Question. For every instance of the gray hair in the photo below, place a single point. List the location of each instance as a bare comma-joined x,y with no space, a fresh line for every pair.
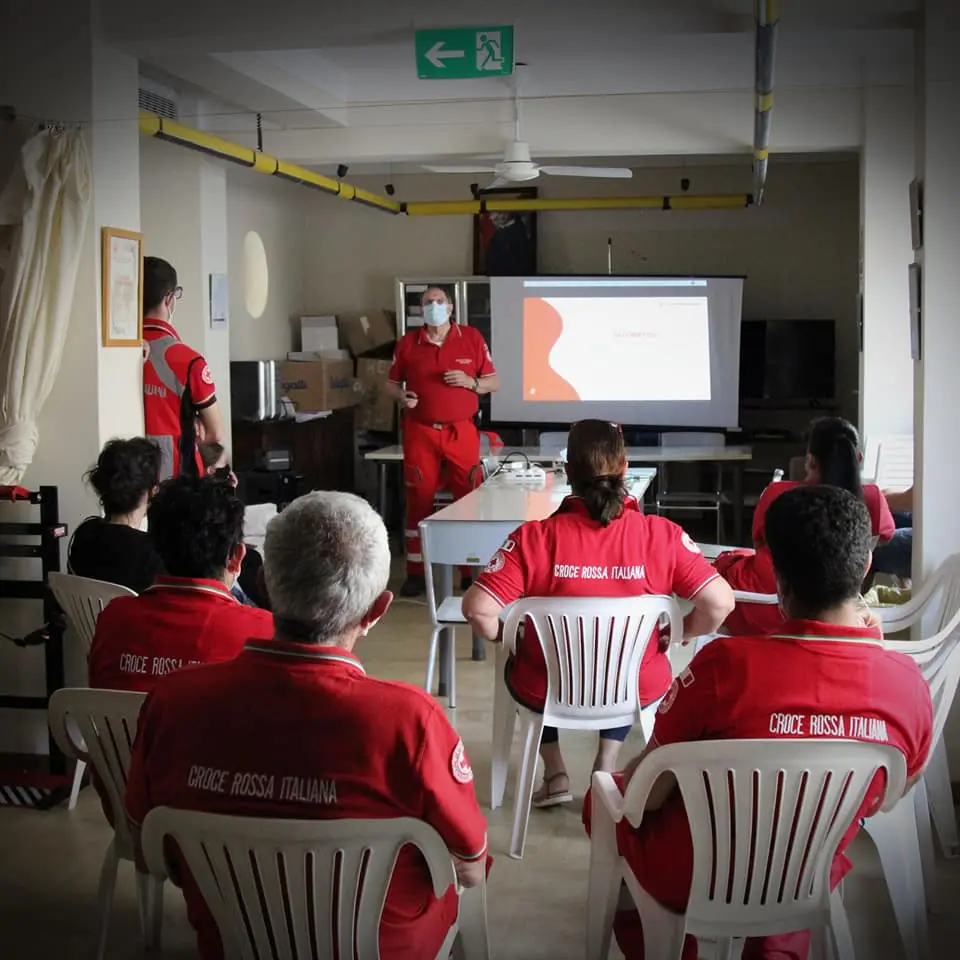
326,560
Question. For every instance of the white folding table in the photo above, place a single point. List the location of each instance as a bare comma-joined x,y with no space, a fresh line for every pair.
475,526
736,456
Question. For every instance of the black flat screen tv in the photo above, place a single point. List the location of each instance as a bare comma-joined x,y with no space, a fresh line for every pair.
787,360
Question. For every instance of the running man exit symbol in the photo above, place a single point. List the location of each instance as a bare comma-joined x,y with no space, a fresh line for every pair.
464,53
488,51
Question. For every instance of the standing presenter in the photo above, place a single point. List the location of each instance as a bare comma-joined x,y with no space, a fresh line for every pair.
439,372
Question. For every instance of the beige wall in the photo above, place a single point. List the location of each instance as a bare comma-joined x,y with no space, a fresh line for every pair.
798,250
279,212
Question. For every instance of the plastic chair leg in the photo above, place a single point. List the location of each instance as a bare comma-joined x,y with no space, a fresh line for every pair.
531,729
504,721
894,834
473,937
432,661
603,889
928,859
663,930
150,905
77,784
840,938
940,797
108,883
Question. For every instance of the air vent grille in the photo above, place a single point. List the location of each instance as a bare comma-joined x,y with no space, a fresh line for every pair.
159,104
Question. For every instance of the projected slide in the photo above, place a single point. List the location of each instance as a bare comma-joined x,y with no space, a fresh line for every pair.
616,349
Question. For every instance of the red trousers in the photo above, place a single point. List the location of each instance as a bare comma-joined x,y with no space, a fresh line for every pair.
429,450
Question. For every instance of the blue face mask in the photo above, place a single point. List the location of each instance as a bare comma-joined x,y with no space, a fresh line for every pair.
435,314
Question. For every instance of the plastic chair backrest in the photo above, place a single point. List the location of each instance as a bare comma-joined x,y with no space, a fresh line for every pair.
83,600
894,469
106,721
766,817
938,658
692,439
593,649
934,605
294,888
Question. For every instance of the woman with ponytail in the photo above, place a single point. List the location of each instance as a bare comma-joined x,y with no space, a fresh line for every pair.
114,547
597,544
833,460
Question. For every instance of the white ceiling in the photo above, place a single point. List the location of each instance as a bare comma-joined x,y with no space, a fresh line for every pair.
337,83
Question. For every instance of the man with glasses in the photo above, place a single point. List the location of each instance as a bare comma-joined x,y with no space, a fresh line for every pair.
179,397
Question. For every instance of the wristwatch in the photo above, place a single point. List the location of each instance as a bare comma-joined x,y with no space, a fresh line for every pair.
476,384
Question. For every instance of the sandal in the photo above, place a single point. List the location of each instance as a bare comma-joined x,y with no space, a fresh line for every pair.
545,797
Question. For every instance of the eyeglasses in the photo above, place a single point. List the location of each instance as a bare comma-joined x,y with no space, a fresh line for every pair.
177,293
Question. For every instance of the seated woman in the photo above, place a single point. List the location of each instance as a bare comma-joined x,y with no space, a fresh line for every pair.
114,547
599,525
833,459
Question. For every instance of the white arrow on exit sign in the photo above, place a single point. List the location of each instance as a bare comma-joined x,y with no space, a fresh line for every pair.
436,54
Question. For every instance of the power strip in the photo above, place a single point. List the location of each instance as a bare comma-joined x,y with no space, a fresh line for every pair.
525,474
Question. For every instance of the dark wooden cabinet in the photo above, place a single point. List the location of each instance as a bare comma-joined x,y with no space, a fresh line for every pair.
321,450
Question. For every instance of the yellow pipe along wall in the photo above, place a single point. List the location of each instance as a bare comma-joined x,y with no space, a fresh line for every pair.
173,132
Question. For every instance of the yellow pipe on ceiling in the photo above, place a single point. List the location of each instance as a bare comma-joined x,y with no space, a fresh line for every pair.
493,205
173,132
170,130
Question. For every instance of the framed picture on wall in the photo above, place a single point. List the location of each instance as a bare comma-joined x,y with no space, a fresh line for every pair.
505,243
121,303
916,313
916,213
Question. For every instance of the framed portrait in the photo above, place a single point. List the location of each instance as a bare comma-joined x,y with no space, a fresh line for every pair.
505,244
122,291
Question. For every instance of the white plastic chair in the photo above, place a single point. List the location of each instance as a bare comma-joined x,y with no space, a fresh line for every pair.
931,610
445,613
752,875
82,599
295,889
741,596
888,461
593,648
107,722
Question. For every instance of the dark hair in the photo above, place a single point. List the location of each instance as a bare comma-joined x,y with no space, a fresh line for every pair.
835,444
124,472
159,281
195,523
595,457
819,540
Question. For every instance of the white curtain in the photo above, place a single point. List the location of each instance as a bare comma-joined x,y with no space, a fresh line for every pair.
44,207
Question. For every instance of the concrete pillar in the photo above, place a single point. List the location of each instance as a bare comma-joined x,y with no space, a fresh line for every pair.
937,387
886,169
67,74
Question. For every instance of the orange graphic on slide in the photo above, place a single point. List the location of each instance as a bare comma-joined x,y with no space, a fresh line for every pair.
542,328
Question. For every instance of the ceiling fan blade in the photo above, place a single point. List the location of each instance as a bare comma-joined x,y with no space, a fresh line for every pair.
608,173
455,169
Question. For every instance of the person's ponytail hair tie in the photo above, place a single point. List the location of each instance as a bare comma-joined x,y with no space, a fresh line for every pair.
603,497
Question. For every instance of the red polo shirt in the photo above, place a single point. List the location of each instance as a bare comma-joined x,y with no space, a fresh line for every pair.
173,624
324,742
809,679
176,384
571,555
421,364
753,572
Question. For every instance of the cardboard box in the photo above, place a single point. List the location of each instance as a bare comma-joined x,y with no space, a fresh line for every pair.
315,385
363,332
318,334
377,410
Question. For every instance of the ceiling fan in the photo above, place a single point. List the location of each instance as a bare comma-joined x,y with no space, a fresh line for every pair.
517,166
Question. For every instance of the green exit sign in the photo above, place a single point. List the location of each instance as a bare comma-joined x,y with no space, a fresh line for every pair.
464,53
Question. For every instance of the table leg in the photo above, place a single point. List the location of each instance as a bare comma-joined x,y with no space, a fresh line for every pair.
479,648
382,488
447,637
738,503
